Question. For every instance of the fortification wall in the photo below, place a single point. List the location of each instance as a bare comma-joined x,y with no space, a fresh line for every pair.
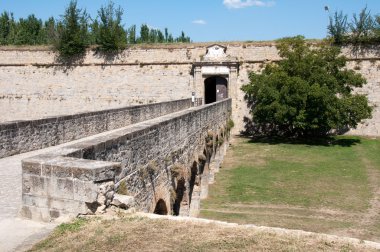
167,159
34,84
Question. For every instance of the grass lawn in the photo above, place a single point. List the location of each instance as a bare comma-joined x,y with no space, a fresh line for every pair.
330,186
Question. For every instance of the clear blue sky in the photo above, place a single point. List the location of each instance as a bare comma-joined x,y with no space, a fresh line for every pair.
212,20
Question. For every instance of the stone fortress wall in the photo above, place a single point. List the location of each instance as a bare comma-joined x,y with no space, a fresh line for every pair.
34,85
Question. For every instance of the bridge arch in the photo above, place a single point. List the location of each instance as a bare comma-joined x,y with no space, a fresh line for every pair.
180,196
161,208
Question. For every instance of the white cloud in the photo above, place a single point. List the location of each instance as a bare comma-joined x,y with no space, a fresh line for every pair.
237,4
199,22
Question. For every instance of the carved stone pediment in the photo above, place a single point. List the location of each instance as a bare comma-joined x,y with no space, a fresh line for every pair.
216,52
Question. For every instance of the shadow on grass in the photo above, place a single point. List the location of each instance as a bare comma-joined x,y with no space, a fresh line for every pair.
317,141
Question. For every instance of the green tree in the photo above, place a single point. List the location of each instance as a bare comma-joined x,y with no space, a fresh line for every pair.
160,37
152,36
111,35
182,38
6,23
362,27
376,29
166,35
170,39
144,33
49,31
132,35
94,34
29,31
73,35
338,27
308,92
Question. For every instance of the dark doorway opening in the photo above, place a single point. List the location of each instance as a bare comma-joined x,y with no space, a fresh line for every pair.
215,89
161,208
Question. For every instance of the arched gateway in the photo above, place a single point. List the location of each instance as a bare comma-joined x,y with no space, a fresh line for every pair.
215,75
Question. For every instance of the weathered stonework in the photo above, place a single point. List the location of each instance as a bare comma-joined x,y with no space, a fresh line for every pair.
166,164
23,136
34,85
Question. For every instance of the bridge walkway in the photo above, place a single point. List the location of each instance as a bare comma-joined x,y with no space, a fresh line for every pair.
17,234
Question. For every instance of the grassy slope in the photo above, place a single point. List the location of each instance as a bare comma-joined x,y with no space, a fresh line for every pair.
141,234
324,187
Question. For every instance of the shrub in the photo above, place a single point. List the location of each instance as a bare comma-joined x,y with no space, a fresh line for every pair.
220,141
363,28
152,167
230,124
177,170
122,189
338,27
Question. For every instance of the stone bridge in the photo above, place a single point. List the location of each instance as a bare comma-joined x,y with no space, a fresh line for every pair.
160,159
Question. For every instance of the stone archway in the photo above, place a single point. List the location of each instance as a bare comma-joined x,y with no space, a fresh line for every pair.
161,208
216,89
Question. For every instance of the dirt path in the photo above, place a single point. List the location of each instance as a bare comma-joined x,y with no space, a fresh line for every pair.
373,213
247,208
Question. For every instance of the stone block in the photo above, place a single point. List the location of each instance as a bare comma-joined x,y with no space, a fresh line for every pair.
83,174
35,185
85,191
107,173
36,201
46,170
62,188
123,201
90,170
36,213
31,167
61,171
68,206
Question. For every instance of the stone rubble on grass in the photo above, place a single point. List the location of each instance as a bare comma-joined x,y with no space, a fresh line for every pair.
105,194
123,201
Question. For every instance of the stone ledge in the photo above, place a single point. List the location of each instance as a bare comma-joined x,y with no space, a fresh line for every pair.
69,167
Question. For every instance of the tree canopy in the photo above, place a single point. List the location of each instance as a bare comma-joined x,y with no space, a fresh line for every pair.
307,93
76,30
73,35
110,35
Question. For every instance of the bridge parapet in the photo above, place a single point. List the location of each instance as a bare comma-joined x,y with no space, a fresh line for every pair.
23,136
169,159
